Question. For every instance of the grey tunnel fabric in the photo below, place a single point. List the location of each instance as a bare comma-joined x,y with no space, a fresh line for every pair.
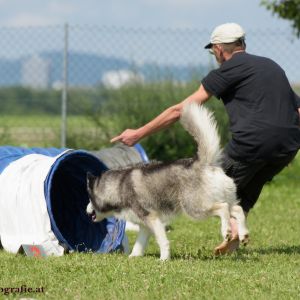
121,156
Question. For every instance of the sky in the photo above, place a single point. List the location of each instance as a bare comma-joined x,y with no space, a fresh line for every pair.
139,13
155,14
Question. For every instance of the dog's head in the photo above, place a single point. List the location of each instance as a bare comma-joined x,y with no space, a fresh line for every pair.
98,208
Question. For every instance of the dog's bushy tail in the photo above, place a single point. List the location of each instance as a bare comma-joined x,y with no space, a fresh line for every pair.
201,124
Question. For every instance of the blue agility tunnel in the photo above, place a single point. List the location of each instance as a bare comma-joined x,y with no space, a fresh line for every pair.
43,198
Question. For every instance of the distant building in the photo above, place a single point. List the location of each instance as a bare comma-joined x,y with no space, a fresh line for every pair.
118,78
36,72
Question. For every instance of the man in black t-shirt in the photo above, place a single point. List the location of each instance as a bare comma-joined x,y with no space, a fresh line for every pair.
263,111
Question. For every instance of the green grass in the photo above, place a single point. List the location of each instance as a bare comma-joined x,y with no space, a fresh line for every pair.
268,268
33,121
45,131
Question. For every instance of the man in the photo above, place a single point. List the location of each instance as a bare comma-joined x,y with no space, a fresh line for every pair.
263,112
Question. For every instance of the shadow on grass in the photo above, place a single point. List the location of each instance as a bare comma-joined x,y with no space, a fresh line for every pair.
239,255
206,254
276,250
243,254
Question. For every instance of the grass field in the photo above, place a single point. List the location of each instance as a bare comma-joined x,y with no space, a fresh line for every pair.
268,268
44,130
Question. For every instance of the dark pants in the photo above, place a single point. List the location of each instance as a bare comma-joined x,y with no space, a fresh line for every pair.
251,177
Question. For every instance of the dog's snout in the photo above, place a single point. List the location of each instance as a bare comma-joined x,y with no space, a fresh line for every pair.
90,209
91,212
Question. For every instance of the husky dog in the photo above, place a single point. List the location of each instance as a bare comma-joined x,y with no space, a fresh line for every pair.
151,194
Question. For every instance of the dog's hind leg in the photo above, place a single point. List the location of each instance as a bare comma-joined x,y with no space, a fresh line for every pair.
221,210
141,242
243,232
158,228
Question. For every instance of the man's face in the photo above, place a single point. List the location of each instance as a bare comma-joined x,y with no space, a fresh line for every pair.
217,51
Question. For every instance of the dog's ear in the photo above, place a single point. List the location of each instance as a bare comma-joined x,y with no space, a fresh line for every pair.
90,179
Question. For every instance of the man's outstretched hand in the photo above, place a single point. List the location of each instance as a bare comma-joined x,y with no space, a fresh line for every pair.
128,137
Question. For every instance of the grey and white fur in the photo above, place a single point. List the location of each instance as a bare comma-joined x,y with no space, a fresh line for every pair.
152,194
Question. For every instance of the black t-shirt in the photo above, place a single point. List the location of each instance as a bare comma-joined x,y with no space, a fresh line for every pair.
261,105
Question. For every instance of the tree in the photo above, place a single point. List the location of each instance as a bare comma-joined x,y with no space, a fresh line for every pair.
286,9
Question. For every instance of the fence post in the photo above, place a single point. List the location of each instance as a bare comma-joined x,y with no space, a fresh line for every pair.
64,89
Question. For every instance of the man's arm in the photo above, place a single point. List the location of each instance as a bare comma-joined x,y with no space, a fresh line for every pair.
169,116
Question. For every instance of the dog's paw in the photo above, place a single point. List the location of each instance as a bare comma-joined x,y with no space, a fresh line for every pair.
228,237
131,255
164,258
245,239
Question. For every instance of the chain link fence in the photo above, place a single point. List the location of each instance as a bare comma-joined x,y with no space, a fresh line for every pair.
53,78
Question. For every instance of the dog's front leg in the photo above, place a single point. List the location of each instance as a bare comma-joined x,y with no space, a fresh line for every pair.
158,228
141,242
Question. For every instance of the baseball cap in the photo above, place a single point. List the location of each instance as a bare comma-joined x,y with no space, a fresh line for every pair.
226,33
